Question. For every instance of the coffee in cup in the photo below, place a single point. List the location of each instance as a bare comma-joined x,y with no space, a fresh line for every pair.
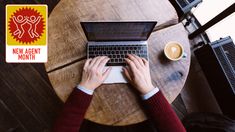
174,51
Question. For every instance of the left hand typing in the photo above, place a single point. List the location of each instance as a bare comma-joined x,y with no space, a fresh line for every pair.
93,72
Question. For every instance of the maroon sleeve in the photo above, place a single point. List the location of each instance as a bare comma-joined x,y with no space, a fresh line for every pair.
73,112
162,115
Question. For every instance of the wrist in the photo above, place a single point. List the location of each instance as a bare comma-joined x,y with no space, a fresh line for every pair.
147,89
85,90
150,94
87,86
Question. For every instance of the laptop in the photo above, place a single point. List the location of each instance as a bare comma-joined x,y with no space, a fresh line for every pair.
116,40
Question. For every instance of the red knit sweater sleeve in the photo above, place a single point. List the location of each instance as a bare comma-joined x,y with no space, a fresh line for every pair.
162,115
73,112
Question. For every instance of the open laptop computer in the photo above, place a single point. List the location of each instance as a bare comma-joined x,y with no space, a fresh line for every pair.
116,40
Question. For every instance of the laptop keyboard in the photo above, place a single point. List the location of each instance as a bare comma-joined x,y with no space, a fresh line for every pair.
117,53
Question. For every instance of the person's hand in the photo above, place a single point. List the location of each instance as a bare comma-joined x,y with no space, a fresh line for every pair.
94,72
138,73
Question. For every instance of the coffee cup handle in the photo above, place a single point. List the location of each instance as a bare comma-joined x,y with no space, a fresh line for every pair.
184,55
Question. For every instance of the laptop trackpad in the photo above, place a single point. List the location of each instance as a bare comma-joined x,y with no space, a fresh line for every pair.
116,75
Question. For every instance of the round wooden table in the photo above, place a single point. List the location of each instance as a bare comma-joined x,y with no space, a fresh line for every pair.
114,104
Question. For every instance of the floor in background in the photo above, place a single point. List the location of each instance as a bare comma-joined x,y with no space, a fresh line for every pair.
196,94
28,103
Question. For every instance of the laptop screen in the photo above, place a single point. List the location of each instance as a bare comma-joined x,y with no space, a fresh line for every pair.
118,31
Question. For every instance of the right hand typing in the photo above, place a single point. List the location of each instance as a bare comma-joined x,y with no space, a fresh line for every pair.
138,73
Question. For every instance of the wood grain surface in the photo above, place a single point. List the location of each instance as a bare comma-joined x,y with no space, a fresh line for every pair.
119,104
67,40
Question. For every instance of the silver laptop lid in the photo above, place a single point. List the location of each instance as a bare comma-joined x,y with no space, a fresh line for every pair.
118,31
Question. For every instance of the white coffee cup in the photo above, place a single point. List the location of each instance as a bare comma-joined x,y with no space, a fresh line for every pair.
174,51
